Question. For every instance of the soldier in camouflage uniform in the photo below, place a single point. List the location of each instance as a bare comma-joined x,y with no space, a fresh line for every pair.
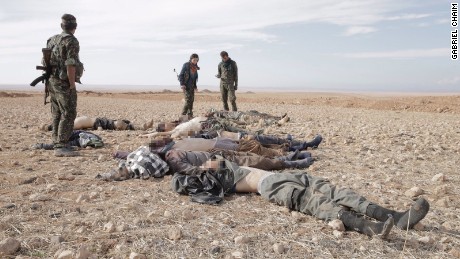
66,71
227,71
188,77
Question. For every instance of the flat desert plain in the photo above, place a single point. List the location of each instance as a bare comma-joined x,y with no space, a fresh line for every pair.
382,146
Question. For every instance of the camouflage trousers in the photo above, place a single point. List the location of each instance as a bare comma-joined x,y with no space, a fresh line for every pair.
310,195
227,91
253,146
189,96
64,112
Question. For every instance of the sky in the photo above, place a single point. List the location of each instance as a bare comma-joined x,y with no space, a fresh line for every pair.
330,45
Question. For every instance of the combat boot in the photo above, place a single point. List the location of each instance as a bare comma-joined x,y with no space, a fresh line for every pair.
352,222
65,152
403,220
311,144
304,163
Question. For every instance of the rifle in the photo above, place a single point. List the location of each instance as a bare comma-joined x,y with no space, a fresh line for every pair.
176,74
44,78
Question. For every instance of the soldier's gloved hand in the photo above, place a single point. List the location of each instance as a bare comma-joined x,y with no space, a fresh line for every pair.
218,76
236,86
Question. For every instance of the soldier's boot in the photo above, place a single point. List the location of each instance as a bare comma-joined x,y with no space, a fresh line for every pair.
290,157
226,107
404,220
303,163
311,144
352,222
234,108
65,152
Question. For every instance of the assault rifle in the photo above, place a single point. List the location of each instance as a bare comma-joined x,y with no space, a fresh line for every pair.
46,72
176,74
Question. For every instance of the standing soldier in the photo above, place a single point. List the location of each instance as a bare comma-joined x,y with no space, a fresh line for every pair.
188,77
66,71
228,74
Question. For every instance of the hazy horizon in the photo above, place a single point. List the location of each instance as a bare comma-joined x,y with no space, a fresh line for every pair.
214,88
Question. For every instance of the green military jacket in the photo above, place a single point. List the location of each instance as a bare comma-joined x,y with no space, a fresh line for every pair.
228,71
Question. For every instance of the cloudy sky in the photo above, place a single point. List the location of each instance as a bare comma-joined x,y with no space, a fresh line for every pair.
359,45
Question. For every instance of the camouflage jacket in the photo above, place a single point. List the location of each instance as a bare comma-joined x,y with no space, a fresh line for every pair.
65,48
228,71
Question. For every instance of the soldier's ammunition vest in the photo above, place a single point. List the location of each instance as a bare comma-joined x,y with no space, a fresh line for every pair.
59,69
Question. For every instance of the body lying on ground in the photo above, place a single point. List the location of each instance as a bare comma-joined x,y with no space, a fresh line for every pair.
217,121
180,160
84,122
298,191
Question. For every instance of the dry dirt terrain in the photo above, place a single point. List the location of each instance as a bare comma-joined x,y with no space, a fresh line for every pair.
381,146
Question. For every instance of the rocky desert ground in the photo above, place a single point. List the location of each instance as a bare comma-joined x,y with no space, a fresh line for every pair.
388,148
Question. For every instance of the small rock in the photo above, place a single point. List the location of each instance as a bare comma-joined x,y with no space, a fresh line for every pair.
440,190
82,253
419,226
9,206
215,243
168,214
414,192
362,248
438,178
39,197
134,255
122,227
242,240
82,198
109,227
443,202
455,252
426,240
337,224
51,187
100,158
56,240
237,254
446,240
66,177
80,230
93,195
214,250
67,254
29,180
175,234
35,206
278,248
337,234
9,246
